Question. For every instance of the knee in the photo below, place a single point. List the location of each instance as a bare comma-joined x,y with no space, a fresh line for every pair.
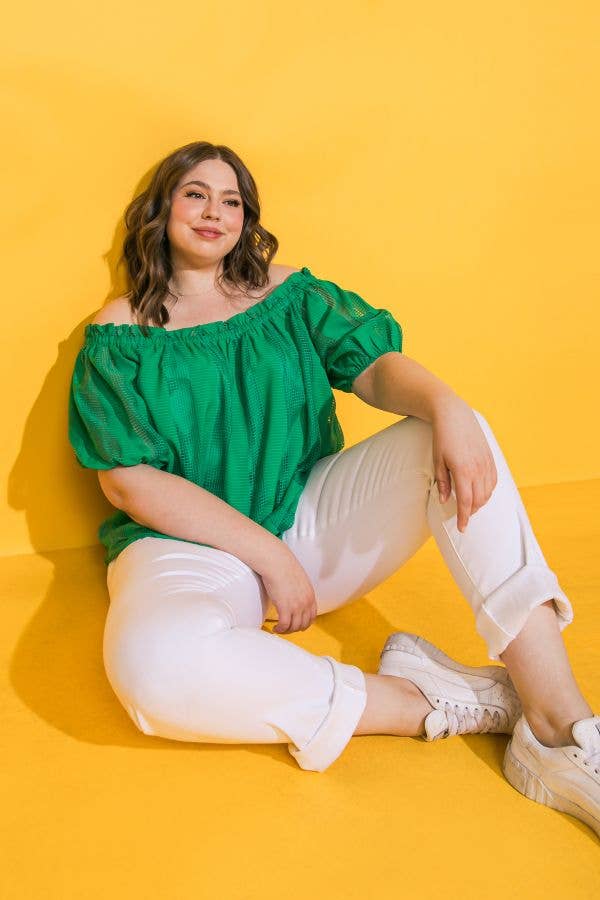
420,442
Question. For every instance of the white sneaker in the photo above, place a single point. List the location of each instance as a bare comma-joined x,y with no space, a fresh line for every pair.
465,699
565,778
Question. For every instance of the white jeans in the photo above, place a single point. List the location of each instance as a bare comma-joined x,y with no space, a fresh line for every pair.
184,649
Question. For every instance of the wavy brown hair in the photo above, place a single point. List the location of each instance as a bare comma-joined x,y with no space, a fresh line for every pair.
146,249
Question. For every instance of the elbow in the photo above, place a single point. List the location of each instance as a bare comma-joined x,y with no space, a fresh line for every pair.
367,385
113,485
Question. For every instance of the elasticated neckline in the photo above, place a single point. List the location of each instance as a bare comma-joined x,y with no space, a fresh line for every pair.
235,325
243,408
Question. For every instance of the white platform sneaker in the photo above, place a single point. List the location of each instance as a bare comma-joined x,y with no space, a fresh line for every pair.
465,699
564,778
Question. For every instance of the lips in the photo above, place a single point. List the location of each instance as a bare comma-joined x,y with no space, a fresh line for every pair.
209,231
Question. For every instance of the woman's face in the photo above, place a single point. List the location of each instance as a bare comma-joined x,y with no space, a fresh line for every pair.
215,203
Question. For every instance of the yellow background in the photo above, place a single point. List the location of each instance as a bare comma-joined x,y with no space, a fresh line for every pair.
441,159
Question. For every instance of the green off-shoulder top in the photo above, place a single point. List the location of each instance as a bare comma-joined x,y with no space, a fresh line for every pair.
243,407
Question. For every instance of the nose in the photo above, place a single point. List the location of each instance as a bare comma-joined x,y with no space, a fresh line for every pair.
210,209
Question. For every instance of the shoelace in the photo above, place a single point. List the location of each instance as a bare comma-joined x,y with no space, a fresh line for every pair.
463,720
592,759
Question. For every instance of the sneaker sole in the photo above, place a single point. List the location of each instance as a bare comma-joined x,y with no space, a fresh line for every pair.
532,787
406,642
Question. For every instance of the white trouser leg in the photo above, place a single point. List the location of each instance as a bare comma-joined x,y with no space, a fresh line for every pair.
368,509
183,647
185,654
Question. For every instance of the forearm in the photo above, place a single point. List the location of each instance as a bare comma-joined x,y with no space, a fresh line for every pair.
396,383
175,506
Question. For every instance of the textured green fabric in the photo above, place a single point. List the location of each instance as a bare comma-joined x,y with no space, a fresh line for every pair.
243,407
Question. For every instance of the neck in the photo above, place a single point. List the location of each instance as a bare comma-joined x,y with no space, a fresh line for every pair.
194,282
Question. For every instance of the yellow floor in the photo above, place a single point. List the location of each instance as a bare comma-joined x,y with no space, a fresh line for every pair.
94,809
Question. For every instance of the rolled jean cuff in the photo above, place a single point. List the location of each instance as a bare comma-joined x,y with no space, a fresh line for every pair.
504,613
347,705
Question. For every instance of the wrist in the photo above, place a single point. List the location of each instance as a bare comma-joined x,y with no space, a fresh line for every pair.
272,552
441,402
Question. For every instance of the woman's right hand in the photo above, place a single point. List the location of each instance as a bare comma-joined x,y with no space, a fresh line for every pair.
291,592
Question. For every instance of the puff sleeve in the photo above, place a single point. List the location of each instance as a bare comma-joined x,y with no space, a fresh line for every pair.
347,332
108,421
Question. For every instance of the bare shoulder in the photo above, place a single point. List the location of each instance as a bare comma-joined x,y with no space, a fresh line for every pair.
278,273
117,311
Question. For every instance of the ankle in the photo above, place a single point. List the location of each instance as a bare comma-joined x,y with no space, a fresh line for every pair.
420,702
415,705
394,706
551,732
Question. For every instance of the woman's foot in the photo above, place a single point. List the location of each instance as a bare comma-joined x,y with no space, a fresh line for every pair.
465,699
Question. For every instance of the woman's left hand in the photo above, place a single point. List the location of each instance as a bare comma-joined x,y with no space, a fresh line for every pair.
461,452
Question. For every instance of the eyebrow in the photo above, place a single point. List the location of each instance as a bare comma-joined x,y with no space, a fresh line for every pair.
205,185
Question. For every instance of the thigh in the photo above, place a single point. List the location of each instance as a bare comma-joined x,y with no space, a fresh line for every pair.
363,512
183,584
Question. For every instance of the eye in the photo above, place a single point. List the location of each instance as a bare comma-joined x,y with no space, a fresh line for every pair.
198,194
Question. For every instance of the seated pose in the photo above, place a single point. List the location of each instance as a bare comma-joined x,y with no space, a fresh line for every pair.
204,400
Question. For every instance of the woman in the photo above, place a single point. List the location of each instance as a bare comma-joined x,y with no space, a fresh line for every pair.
204,400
